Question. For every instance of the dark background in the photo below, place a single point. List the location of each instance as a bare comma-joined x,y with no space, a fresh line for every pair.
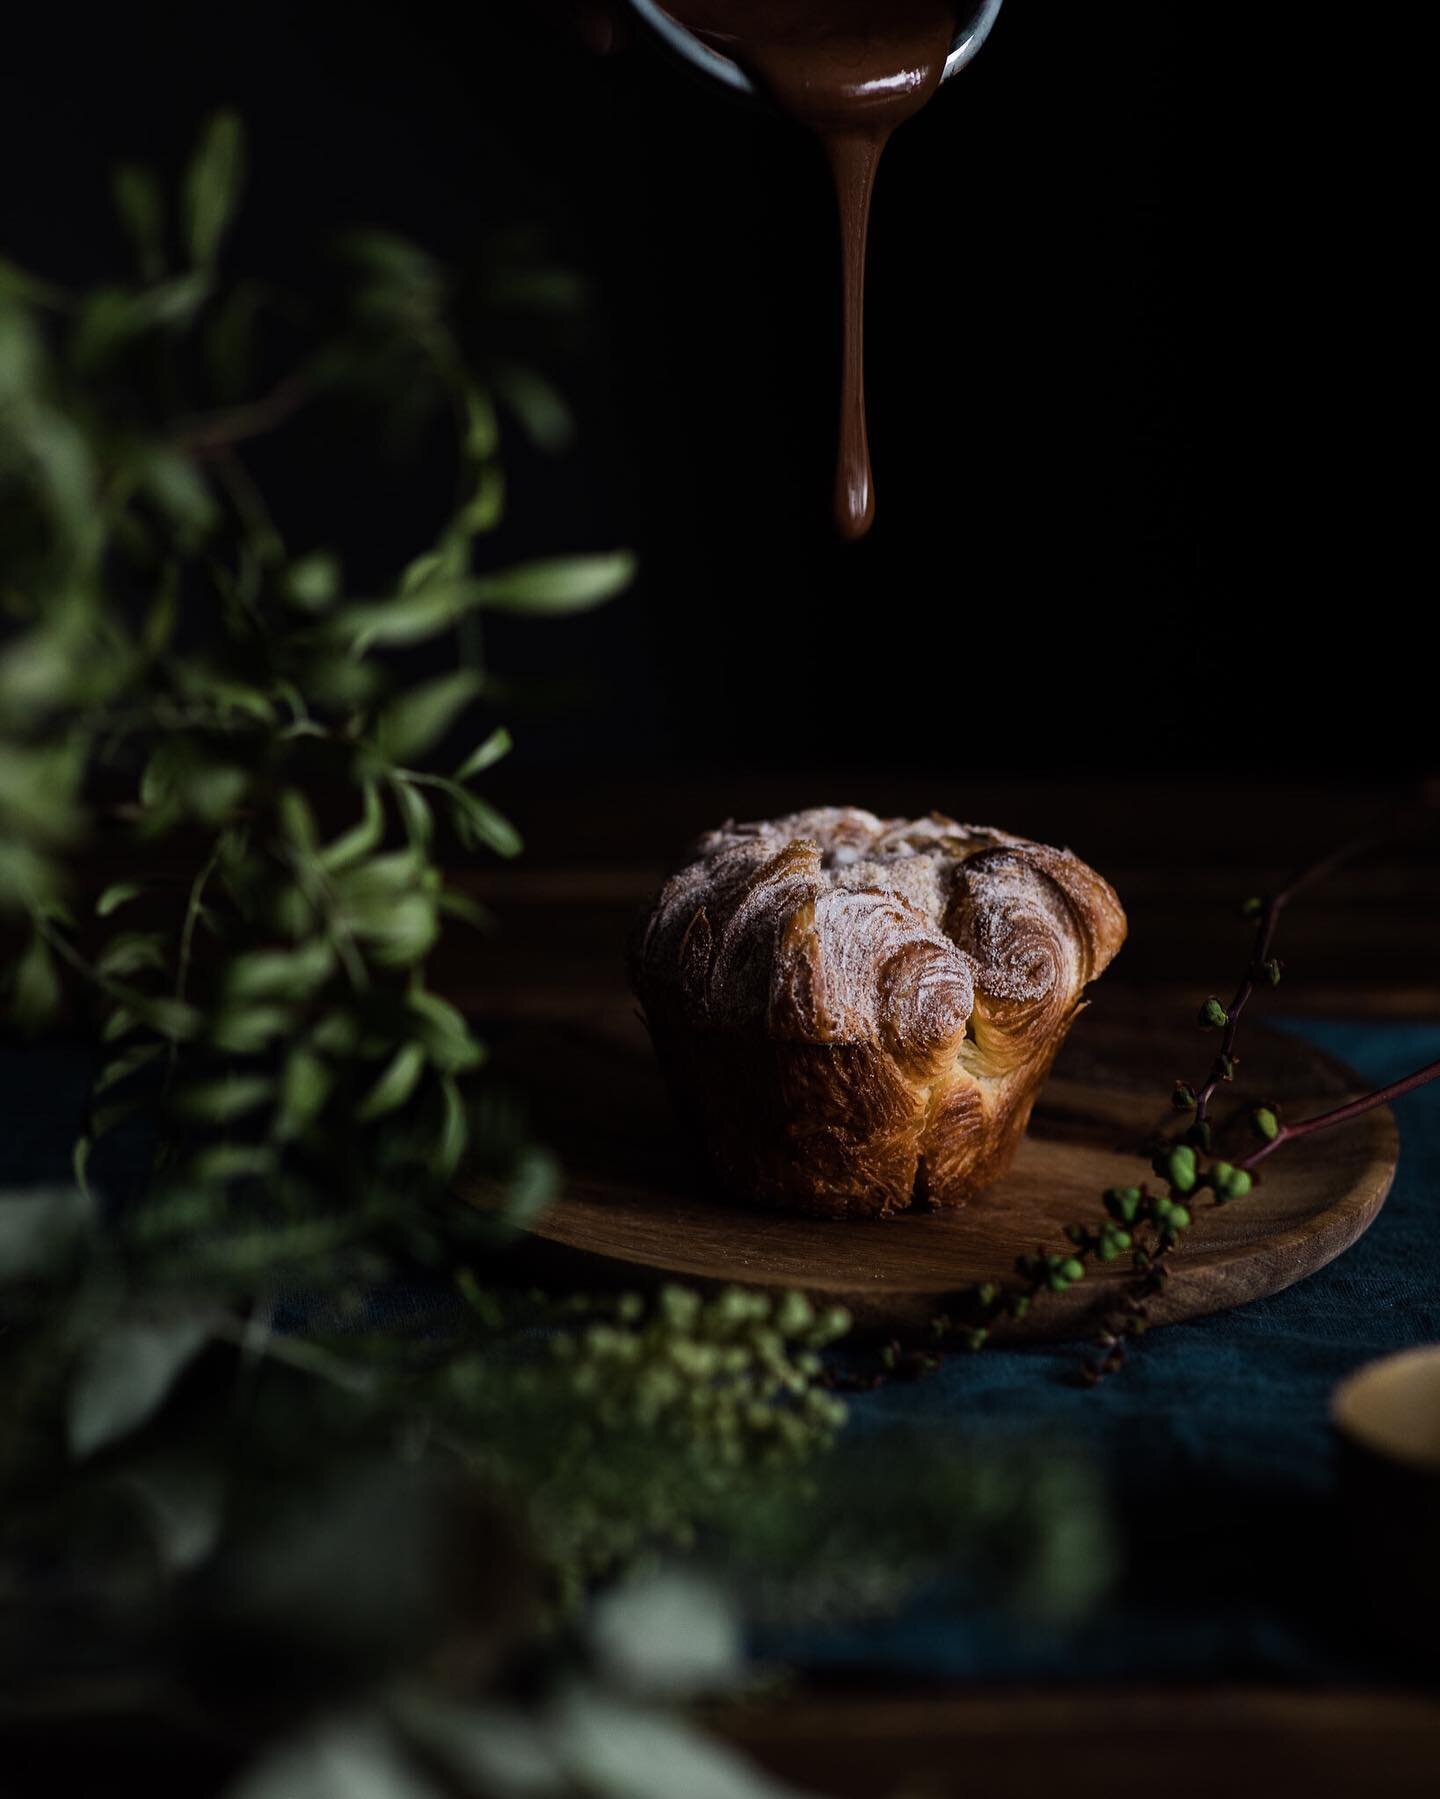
1146,406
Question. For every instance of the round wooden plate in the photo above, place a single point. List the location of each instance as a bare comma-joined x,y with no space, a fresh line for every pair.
635,1209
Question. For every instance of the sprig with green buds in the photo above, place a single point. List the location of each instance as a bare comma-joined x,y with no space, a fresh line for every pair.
1149,1225
1186,1165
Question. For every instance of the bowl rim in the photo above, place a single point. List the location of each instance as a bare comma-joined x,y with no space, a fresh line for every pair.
728,72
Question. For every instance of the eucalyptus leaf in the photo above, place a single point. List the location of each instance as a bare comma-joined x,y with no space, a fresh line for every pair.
121,1068
355,844
497,745
615,1750
279,974
306,1083
478,825
231,1162
39,1230
125,1378
558,585
118,894
34,986
415,811
416,718
667,1635
183,1496
176,486
448,1040
229,1097
454,1135
343,1758
312,582
395,1085
141,206
212,185
538,405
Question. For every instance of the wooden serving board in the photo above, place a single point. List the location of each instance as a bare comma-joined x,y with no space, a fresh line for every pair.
635,1208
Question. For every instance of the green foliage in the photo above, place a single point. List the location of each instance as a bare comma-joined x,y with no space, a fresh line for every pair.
183,689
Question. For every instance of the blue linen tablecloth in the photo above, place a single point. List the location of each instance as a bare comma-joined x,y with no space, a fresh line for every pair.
1214,1441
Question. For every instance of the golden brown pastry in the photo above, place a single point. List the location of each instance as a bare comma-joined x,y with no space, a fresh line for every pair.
856,1013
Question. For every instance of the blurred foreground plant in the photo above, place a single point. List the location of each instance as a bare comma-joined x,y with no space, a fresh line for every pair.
284,1460
185,694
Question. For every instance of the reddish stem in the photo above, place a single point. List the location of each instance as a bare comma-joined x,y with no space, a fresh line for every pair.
216,431
1353,1108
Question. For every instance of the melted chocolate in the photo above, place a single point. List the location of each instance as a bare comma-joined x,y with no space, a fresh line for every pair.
850,71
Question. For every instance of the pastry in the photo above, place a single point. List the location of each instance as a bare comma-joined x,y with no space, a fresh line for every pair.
855,1014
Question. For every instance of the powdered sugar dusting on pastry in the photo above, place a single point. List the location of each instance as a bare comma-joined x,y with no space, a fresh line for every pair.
1014,921
853,964
857,1012
987,914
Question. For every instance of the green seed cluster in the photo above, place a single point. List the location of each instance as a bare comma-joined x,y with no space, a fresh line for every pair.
649,1417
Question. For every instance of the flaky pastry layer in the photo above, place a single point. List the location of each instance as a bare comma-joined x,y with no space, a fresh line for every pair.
855,1013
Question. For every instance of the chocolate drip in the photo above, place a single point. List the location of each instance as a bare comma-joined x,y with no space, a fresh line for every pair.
850,71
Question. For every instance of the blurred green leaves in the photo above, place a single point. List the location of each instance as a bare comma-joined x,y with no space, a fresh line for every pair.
277,792
268,1014
212,186
557,586
125,1375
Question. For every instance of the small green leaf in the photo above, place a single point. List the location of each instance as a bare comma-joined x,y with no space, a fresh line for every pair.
124,1066
305,1085
230,1162
141,206
297,820
212,185
395,1085
245,1029
448,1040
115,896
37,1230
172,1018
313,581
126,1377
35,986
454,1130
467,910
417,717
231,1096
129,953
406,619
558,585
499,743
419,824
179,490
361,839
538,405
478,824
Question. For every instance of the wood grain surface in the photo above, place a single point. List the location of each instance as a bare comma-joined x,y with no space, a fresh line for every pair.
635,1208
1096,1743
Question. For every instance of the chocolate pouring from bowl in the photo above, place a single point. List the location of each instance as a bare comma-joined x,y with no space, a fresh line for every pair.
850,72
